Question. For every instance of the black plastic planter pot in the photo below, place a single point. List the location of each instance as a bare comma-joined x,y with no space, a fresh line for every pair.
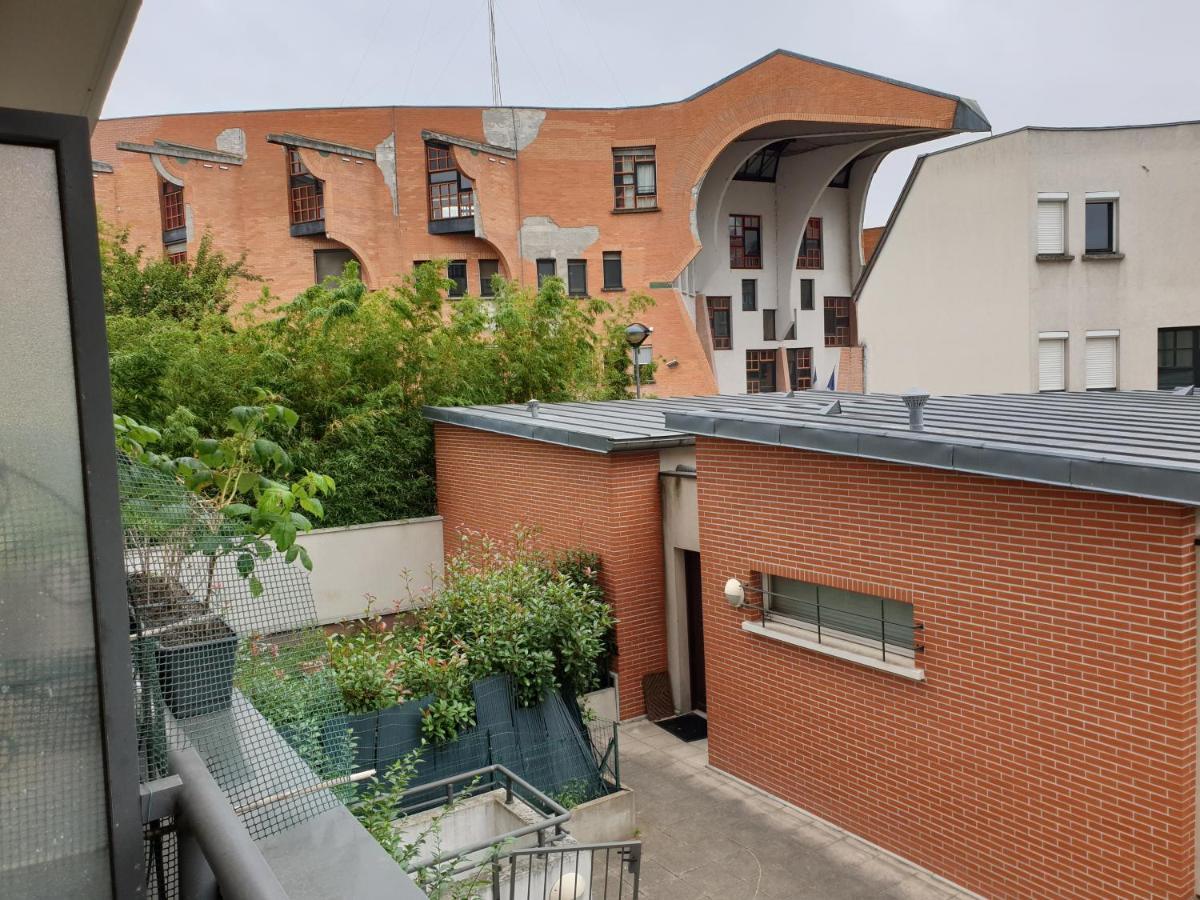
196,672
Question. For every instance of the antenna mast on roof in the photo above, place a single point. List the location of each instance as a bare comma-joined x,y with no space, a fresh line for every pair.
497,99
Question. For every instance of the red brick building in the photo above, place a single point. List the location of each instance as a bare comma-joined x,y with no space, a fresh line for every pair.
751,190
971,640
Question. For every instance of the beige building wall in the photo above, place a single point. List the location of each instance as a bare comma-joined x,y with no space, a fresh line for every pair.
945,306
956,298
681,531
396,563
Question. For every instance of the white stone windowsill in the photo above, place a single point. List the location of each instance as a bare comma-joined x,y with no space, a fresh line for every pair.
794,637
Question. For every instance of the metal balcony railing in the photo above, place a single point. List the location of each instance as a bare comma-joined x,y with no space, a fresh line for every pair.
581,872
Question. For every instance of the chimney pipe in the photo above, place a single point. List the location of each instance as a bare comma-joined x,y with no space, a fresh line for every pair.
915,400
532,406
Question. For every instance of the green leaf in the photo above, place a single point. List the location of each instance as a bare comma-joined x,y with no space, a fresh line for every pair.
312,505
256,587
292,553
300,522
245,564
238,510
304,558
264,549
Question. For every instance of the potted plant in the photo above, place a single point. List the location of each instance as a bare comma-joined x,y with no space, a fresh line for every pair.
230,500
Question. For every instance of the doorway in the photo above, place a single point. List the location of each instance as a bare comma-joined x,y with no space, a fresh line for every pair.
695,629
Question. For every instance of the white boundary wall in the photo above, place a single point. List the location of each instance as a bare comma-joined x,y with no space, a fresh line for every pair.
394,562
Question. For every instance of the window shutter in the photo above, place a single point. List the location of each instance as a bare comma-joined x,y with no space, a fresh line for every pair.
1101,363
1052,365
1051,225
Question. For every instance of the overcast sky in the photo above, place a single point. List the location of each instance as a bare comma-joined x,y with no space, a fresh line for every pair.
1054,62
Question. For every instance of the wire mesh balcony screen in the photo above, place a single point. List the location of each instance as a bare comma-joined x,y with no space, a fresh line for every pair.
244,680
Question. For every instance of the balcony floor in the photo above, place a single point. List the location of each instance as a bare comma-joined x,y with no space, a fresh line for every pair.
707,836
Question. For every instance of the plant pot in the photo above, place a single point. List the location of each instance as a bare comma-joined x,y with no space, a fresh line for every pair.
195,666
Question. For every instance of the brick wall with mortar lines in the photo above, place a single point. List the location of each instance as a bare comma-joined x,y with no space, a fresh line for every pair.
1051,750
608,504
564,174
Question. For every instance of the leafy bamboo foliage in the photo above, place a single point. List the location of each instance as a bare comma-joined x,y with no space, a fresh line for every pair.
355,365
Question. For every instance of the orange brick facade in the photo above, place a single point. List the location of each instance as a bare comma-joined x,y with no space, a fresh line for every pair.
563,173
608,504
1051,750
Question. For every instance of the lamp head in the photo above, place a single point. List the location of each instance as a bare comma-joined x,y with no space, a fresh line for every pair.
735,593
636,334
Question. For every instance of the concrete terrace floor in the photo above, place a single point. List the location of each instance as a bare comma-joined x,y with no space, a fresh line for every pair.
708,837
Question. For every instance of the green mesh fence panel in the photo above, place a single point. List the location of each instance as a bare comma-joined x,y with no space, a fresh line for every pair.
244,680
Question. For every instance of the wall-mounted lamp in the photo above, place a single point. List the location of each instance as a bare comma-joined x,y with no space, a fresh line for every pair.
735,593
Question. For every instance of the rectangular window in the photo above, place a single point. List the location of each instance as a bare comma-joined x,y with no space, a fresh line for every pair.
807,294
306,192
839,322
577,277
488,269
1052,362
635,178
749,294
451,193
1178,359
176,253
456,271
768,324
799,361
173,215
760,371
1052,224
745,242
330,264
859,623
718,323
546,268
612,271
1100,352
812,248
1100,232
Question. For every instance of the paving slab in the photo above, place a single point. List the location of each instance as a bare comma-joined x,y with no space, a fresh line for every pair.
705,835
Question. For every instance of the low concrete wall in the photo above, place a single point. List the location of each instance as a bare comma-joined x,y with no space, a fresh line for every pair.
609,818
394,562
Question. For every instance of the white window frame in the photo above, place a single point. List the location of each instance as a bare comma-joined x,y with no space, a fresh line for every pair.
1113,197
1060,337
1061,199
1105,335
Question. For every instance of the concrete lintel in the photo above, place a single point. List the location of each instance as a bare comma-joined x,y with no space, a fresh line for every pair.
299,140
102,167
468,144
181,151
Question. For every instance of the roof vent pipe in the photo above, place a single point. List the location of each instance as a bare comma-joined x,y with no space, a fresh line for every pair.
915,400
532,406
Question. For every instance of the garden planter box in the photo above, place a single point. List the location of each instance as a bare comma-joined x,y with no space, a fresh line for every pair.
196,650
195,667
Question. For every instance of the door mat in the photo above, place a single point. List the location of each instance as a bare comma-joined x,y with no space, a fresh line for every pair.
689,727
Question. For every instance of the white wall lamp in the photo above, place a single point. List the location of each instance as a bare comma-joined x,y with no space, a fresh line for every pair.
735,594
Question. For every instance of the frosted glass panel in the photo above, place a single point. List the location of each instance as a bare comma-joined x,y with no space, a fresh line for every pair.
54,838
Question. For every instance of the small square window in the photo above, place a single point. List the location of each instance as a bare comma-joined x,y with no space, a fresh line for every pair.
749,294
488,269
456,271
546,268
612,271
577,277
1100,231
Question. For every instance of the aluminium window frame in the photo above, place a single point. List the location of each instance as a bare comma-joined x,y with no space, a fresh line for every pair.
611,256
1111,199
574,266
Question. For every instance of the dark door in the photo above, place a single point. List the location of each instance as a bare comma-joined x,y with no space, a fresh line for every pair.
695,629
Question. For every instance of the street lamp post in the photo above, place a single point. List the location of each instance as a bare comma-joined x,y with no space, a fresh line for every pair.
635,336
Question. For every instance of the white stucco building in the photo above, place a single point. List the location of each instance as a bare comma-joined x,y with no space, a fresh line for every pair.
1041,259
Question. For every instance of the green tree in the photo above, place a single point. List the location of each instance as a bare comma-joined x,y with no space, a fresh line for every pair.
135,285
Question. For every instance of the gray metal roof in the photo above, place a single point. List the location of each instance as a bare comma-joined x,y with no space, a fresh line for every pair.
1137,443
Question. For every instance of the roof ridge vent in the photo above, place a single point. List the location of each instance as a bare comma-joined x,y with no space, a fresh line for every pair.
831,409
1184,391
915,399
533,407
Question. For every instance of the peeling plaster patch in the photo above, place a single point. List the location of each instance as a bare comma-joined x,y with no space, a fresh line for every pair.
157,162
694,214
542,239
385,159
506,126
479,230
189,222
232,140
